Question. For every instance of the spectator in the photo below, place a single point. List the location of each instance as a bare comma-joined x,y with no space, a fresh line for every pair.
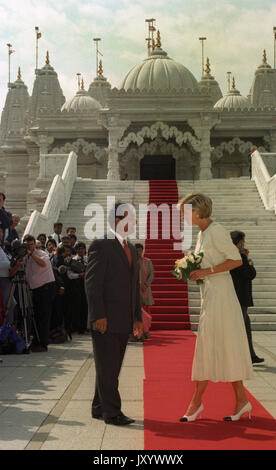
51,246
80,309
42,238
71,231
72,242
12,233
63,307
65,241
242,279
40,277
57,232
6,272
146,277
6,219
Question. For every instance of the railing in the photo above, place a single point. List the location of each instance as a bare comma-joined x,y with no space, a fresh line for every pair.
57,200
266,184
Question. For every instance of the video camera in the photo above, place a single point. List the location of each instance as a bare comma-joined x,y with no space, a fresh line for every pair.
73,265
18,250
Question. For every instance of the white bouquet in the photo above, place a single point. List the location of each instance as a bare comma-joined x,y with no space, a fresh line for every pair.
187,264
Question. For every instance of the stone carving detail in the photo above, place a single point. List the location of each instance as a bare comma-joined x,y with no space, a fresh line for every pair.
230,147
166,132
84,146
158,146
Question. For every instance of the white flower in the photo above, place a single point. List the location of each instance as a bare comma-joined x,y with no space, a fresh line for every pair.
182,263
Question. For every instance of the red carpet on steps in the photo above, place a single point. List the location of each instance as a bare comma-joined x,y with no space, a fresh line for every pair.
170,310
168,389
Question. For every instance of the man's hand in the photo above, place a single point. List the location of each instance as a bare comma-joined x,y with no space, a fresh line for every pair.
138,329
101,325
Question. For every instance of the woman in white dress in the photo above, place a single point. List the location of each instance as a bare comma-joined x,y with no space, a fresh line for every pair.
221,352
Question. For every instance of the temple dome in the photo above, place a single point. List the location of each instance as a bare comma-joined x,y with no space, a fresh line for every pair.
158,72
233,100
82,102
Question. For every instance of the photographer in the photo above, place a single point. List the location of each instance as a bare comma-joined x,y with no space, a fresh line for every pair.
6,272
6,220
40,277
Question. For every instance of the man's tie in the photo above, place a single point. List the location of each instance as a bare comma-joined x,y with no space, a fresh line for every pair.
127,252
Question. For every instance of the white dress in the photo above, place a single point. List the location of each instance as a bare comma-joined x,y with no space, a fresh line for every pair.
222,351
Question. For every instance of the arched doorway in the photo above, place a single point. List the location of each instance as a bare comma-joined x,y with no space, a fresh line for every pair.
157,167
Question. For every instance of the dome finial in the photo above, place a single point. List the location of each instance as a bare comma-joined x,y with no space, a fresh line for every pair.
47,58
158,39
78,78
82,83
233,83
264,57
100,69
208,69
19,74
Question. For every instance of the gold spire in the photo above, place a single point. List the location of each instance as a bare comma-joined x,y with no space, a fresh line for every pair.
158,39
264,57
207,70
153,45
82,83
47,58
233,83
19,74
78,78
100,70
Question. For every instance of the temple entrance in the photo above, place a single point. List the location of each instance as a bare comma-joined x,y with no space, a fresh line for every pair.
157,167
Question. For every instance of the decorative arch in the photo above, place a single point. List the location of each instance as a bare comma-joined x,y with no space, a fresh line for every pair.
167,132
84,146
230,147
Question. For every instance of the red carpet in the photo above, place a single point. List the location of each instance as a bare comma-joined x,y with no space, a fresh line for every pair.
170,311
167,392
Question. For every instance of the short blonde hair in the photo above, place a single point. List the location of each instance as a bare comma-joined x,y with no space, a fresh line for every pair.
200,202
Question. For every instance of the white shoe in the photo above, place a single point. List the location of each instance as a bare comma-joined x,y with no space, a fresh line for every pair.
245,409
193,417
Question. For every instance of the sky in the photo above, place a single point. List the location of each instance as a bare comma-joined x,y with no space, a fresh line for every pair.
237,32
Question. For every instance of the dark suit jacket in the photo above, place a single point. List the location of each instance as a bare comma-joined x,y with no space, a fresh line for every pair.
242,279
112,288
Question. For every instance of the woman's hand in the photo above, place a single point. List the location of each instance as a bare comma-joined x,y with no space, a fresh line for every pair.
198,274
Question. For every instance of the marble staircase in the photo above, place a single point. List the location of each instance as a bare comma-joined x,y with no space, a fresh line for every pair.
236,204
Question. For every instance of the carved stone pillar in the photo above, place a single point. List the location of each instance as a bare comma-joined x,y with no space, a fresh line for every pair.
272,141
205,165
116,128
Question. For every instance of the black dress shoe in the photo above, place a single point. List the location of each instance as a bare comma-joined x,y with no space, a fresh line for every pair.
120,420
257,360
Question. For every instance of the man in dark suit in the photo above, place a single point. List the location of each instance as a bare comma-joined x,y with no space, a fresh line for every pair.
242,279
113,295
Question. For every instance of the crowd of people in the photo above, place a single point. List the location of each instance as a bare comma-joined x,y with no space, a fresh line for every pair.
54,270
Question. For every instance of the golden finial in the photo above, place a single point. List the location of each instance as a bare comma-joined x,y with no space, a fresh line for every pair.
264,56
47,58
153,44
158,39
233,83
78,75
100,70
19,74
82,83
207,70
